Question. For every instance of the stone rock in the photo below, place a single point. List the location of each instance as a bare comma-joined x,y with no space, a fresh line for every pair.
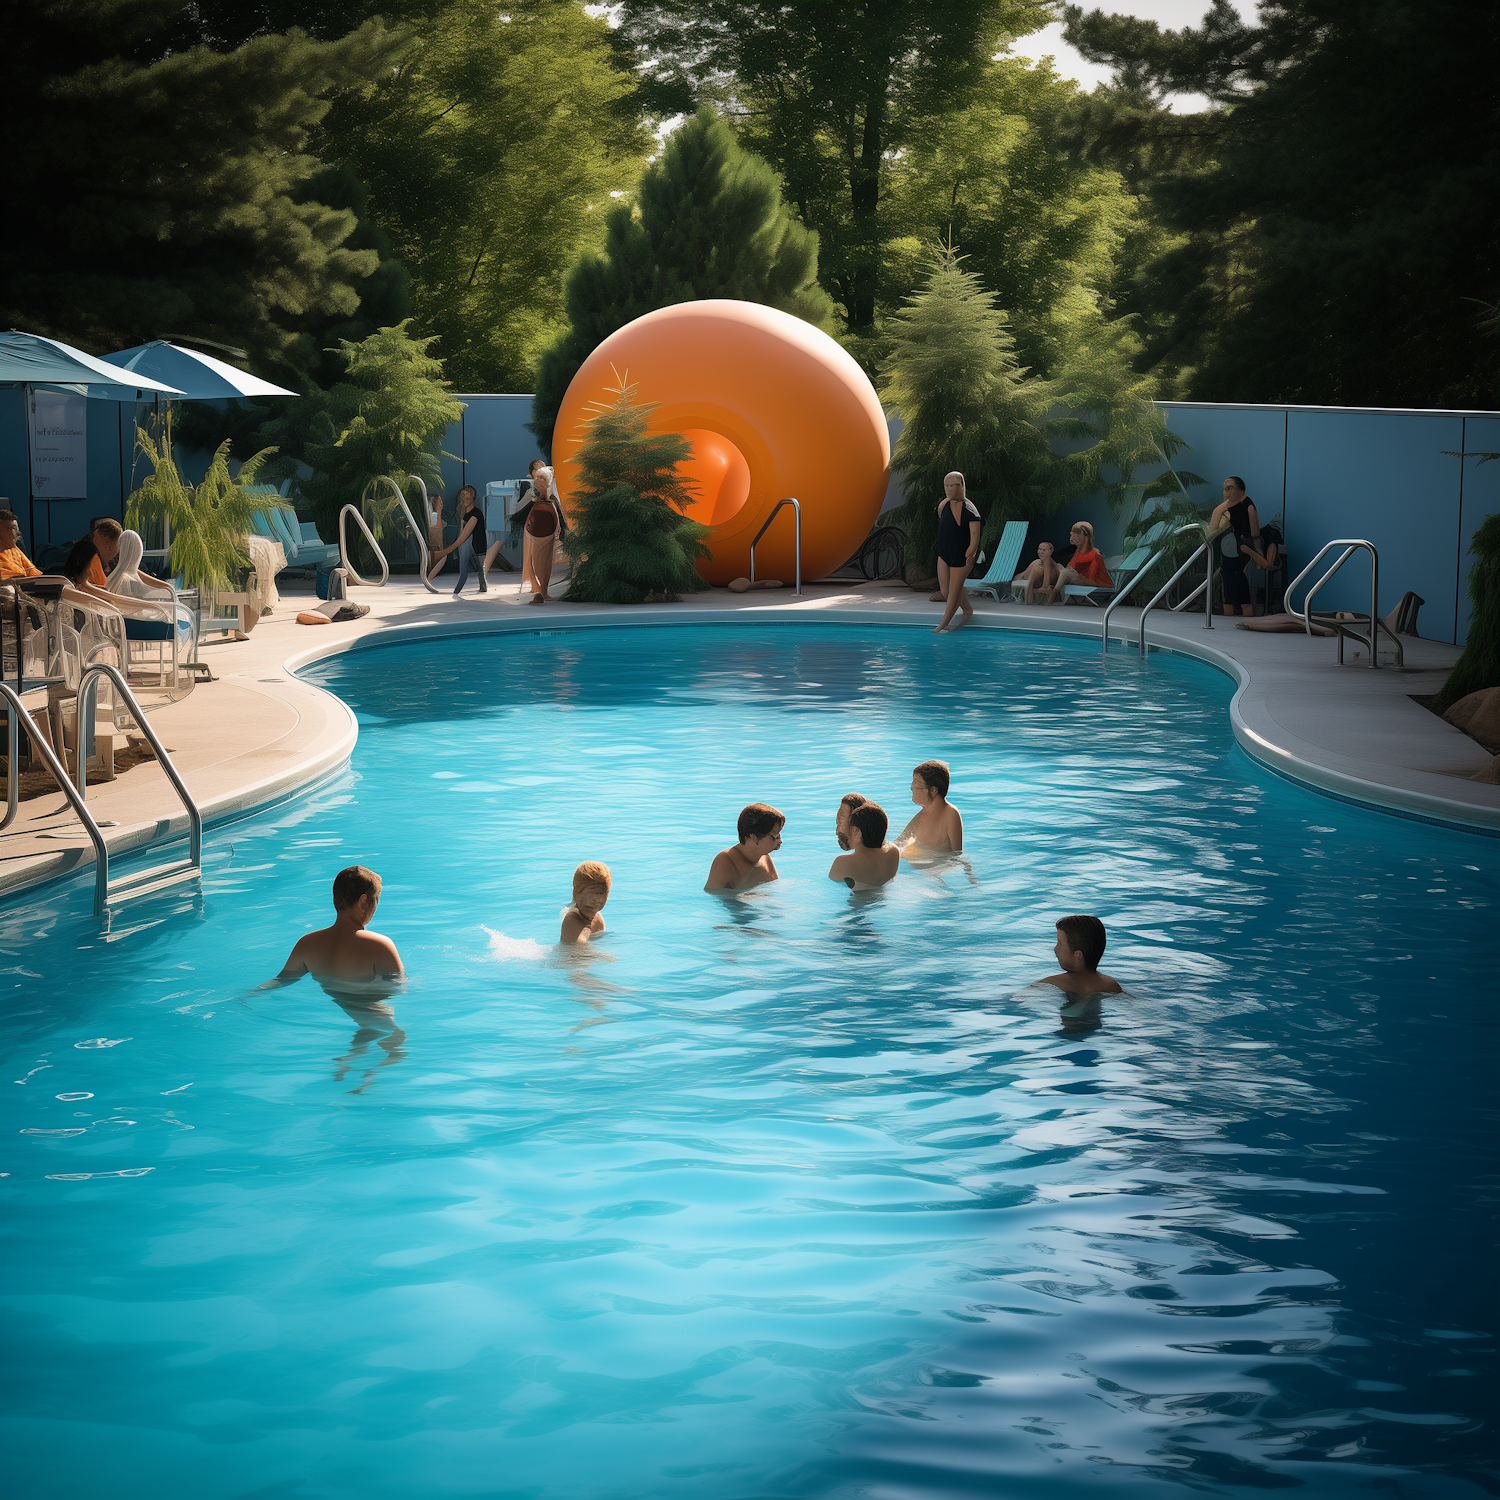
1478,715
1491,773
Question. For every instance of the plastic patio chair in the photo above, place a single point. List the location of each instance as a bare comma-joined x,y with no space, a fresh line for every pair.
1003,565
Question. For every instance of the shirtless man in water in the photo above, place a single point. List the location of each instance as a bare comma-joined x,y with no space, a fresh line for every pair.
847,804
870,861
937,826
749,862
346,950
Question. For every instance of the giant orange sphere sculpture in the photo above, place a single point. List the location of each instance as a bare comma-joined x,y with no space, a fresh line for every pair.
772,406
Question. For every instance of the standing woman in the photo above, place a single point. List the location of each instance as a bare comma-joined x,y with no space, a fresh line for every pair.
1235,514
958,546
543,522
471,540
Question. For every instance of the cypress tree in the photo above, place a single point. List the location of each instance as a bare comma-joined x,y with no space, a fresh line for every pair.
631,542
167,188
710,224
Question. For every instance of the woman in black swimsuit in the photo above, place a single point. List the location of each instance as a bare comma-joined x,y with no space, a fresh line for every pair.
1235,514
958,546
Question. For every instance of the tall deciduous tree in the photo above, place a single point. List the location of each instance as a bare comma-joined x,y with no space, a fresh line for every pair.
163,195
829,94
710,224
1336,208
491,153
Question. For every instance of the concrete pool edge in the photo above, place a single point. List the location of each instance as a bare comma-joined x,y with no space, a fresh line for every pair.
319,734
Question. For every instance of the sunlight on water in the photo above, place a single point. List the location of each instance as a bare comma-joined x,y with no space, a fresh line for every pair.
800,1194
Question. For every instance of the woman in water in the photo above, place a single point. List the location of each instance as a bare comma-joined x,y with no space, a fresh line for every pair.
1235,518
958,546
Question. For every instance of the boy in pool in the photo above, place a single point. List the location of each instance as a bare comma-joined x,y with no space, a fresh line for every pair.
582,920
1079,947
871,861
847,804
346,950
937,826
749,862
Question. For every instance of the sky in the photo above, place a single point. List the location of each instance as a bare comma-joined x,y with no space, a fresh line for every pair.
1171,14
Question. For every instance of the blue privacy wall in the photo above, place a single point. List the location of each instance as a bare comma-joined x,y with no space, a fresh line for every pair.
489,441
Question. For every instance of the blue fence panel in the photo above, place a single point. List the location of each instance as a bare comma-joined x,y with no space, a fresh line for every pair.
1222,440
489,441
1481,498
1386,478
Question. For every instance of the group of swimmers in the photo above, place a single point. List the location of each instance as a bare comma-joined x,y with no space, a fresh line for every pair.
348,950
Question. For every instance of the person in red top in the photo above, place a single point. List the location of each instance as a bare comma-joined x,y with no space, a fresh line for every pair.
1085,568
13,562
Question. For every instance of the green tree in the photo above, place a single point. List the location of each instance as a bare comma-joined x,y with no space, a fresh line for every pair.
710,224
386,418
169,187
1335,208
830,95
491,152
1479,666
630,541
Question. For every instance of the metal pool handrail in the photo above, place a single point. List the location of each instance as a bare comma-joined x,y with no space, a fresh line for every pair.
424,557
1141,572
797,516
1351,545
1206,546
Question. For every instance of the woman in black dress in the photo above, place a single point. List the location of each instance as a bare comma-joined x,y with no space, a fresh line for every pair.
958,546
1235,518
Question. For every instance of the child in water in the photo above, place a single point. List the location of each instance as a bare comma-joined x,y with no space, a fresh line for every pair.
1079,947
583,920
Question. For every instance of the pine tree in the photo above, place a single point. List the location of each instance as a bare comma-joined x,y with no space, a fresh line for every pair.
630,541
711,224
168,188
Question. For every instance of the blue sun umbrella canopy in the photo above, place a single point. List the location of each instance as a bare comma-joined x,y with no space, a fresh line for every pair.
198,377
29,359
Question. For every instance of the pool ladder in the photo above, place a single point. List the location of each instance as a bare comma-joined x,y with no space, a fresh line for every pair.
797,538
108,895
1347,630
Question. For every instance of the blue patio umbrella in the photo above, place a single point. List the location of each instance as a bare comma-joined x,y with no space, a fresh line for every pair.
29,359
198,377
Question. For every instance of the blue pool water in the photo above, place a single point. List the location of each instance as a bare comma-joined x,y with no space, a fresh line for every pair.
788,1196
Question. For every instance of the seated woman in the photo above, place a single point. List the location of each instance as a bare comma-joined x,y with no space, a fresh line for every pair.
1085,568
149,605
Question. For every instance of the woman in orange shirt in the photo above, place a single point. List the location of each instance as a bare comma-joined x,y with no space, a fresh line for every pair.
1085,568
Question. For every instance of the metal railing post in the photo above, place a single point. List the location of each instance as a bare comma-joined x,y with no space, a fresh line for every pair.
1208,588
1351,545
1165,588
1119,598
60,775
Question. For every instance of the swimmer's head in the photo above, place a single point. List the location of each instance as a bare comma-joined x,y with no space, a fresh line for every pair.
356,893
1080,937
591,883
760,828
869,821
928,780
850,801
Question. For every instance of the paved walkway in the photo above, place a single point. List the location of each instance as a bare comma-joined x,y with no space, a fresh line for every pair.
259,733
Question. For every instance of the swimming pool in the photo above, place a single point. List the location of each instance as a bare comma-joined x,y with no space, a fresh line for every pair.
785,1196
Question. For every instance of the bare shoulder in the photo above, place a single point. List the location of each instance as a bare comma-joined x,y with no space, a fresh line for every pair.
721,873
381,947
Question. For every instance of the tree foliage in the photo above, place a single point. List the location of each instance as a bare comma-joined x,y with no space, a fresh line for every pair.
630,541
710,223
209,521
1479,666
491,152
1334,210
830,95
170,187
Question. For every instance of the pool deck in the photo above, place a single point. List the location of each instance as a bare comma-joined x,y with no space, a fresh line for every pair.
260,734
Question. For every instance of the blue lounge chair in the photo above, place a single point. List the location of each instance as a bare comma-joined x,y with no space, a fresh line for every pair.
300,541
1003,565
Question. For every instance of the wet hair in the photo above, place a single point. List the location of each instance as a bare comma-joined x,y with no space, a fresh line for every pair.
108,526
851,800
870,819
351,886
1236,481
80,555
935,774
591,872
1085,935
759,819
